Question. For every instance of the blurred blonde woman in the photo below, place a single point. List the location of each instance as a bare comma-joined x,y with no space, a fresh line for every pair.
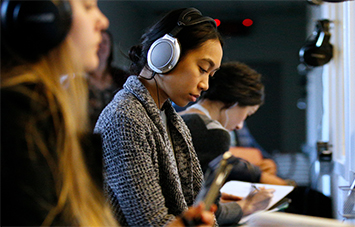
51,171
46,179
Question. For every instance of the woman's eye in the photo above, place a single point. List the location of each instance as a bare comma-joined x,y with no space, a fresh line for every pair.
203,70
89,5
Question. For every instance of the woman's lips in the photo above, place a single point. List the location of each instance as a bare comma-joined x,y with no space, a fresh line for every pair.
194,97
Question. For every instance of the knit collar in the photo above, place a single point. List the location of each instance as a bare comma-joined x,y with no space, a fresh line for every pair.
137,88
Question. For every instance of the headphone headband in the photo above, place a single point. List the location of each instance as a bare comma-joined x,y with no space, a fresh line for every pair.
185,19
164,53
32,28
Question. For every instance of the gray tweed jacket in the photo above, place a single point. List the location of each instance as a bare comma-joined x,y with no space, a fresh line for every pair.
147,182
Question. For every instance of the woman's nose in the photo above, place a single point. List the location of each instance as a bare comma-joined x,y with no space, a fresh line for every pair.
240,125
104,22
203,85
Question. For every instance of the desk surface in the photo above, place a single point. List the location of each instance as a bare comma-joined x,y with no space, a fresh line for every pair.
292,220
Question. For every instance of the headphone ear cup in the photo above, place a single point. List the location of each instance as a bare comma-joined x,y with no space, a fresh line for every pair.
164,54
317,51
316,56
32,28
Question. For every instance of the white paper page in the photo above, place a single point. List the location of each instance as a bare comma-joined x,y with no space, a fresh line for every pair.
242,189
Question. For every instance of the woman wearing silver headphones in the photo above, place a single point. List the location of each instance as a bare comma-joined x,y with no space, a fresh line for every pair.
50,163
152,171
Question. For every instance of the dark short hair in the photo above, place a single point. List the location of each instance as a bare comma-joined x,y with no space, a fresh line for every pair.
190,37
235,82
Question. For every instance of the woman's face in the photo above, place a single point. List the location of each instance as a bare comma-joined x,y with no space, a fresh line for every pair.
190,77
234,117
88,22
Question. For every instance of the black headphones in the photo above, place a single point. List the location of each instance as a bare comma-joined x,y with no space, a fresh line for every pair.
32,28
317,51
164,53
319,2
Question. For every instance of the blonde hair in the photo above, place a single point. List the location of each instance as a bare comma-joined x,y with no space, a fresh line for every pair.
79,198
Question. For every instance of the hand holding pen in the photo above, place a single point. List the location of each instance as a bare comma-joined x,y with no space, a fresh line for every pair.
257,199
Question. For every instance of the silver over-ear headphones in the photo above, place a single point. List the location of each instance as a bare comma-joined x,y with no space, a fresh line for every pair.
164,53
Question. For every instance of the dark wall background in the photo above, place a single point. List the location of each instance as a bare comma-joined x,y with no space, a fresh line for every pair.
271,46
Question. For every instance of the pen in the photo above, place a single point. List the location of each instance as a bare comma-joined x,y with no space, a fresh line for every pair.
256,188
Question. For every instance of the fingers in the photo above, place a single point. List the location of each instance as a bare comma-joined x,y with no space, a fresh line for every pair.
213,208
264,190
207,218
263,194
197,216
262,199
260,193
194,212
269,190
226,196
258,200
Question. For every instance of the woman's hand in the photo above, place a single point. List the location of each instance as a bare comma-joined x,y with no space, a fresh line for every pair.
267,178
256,200
225,198
196,216
268,166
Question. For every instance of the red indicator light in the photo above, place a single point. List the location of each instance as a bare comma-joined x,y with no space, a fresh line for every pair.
247,22
218,22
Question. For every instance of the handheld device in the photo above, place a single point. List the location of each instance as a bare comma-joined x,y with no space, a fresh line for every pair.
214,180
